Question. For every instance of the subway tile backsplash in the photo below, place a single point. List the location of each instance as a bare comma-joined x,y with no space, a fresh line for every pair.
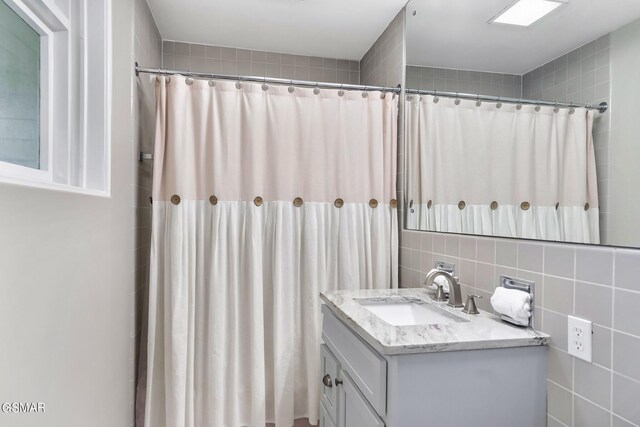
596,283
226,60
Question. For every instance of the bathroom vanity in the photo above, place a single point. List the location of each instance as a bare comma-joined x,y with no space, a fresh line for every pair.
396,358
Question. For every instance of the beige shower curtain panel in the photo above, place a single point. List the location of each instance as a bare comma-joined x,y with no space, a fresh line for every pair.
525,172
263,196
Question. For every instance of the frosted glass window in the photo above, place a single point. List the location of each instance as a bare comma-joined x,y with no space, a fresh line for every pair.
19,90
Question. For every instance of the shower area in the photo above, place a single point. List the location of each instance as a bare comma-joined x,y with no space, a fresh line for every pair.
254,195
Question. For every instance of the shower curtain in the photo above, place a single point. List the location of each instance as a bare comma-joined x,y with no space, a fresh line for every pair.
501,170
263,196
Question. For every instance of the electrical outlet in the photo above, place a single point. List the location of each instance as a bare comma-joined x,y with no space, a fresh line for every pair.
580,338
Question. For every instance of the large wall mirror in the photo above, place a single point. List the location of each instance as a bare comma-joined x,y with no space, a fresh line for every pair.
524,127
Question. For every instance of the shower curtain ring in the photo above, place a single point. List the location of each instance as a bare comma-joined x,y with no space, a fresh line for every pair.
364,92
340,92
265,87
317,89
291,88
499,103
435,97
556,108
571,108
457,101
538,105
212,82
519,104
478,102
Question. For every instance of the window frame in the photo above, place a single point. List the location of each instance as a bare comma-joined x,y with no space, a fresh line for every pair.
44,173
65,107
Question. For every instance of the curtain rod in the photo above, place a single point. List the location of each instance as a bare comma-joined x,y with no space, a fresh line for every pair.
602,107
303,83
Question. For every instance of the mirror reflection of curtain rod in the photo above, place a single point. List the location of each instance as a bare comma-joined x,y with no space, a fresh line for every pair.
302,83
602,107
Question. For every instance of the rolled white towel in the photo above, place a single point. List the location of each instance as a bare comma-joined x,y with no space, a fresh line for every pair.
512,303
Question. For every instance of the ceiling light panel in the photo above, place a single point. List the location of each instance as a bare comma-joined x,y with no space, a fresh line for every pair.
523,13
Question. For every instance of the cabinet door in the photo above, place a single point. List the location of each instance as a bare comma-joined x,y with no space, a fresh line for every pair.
355,411
325,418
329,389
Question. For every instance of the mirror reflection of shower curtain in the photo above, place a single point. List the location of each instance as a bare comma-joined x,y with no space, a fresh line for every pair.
501,171
262,198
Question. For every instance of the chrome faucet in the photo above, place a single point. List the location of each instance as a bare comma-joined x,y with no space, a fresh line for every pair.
455,296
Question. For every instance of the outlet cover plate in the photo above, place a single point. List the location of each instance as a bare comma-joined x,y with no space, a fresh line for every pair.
580,335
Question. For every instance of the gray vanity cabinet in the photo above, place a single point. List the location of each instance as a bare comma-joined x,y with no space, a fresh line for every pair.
353,378
325,417
343,404
330,369
353,409
487,387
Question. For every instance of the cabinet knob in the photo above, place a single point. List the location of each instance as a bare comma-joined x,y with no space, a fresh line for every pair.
338,381
326,380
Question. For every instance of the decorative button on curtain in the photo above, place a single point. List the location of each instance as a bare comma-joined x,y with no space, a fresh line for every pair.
514,171
274,192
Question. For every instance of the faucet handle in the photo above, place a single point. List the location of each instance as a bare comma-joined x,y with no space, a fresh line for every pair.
470,306
440,295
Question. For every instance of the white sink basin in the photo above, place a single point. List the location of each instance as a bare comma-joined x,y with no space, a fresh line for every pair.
402,313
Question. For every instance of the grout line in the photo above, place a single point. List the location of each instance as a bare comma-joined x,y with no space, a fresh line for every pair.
556,420
560,385
573,393
593,403
613,296
573,359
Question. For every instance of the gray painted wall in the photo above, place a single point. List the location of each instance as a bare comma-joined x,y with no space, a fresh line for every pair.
67,282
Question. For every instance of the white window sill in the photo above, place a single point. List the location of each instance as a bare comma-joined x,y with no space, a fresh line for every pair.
54,186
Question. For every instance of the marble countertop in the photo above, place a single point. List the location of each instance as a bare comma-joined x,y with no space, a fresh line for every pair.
482,331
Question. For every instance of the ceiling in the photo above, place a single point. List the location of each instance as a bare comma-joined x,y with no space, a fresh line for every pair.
343,29
455,33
